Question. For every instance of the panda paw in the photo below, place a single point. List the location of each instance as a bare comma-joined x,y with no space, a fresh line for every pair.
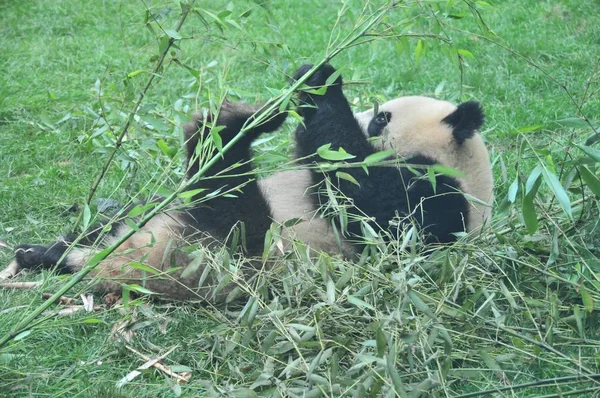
319,77
30,256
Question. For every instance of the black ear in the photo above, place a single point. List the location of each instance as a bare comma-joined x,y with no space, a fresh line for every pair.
465,120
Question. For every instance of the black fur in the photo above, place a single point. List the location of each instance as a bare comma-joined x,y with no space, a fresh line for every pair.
48,257
378,124
384,191
465,120
44,257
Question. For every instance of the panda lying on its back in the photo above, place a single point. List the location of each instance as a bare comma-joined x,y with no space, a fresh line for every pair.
430,131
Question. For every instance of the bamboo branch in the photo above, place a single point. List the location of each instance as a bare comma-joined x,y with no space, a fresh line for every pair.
134,110
11,270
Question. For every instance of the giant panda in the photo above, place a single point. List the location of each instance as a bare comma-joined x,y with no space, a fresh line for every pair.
435,132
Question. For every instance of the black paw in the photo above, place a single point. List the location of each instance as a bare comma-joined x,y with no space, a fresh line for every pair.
234,115
319,77
30,256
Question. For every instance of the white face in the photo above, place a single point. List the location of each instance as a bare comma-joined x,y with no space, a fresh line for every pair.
414,125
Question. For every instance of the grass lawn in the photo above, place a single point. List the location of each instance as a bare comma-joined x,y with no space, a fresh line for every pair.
516,305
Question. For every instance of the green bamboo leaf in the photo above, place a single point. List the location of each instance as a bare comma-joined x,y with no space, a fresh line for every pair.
22,335
253,310
214,133
327,154
432,179
135,73
137,288
333,77
166,149
394,375
529,214
193,266
419,50
591,152
533,178
420,304
143,267
559,192
87,215
139,209
586,298
447,171
380,341
528,129
379,156
173,34
343,280
330,291
465,53
573,122
359,303
191,193
348,177
222,284
590,179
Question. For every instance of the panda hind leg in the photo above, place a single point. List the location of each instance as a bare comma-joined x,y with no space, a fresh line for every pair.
37,257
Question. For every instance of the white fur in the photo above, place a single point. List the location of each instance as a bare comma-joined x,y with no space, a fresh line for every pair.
288,197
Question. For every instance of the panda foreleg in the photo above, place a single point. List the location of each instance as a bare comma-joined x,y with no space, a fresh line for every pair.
328,118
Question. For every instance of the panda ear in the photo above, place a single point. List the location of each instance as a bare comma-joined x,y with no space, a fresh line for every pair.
465,120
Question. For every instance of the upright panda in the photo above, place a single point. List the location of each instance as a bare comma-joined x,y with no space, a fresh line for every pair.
384,194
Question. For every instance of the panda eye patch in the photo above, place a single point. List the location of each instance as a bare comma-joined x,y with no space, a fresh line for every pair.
383,118
378,123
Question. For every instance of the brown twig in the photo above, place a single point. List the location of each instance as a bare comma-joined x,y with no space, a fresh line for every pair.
184,378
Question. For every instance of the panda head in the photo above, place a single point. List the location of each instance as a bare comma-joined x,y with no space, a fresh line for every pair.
421,124
442,132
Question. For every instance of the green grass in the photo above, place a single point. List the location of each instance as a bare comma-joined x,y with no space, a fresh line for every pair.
512,307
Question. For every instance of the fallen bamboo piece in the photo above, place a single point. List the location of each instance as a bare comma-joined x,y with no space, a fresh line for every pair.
184,378
20,285
10,271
